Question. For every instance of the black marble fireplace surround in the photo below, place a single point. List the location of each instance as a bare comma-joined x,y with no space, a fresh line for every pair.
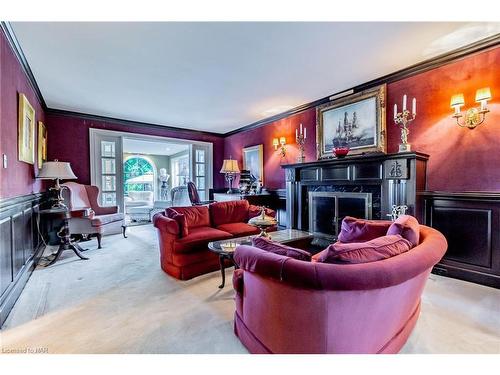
391,179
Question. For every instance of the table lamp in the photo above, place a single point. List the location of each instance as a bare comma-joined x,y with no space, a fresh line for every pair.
56,170
230,169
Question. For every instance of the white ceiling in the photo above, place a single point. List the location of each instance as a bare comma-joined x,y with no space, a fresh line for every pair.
136,146
223,75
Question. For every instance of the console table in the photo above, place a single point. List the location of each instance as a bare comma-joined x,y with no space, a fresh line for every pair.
255,199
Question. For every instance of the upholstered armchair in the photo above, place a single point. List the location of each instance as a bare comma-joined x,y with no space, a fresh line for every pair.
101,221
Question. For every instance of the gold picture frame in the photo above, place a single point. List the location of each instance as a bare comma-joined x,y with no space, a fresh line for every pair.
361,116
253,161
26,131
42,144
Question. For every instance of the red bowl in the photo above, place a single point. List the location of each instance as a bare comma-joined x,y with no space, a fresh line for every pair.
341,152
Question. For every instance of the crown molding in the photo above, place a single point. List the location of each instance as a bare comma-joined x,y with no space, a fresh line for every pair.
433,63
18,52
129,123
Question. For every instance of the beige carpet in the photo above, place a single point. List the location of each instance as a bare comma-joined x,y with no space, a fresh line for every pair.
120,301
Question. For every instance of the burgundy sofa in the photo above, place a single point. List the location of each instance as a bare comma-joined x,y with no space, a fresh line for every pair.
188,257
285,305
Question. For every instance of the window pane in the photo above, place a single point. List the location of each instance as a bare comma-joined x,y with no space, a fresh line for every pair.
108,183
200,183
108,166
108,199
200,169
200,156
108,149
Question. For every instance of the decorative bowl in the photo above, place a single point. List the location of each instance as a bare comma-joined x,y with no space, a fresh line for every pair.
263,222
340,152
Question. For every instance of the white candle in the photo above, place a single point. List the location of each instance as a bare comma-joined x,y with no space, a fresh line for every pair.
305,132
395,111
404,103
300,129
414,107
296,134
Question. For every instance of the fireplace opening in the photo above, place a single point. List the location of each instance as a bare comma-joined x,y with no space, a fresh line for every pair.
328,209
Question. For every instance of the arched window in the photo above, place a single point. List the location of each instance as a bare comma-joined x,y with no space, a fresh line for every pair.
139,174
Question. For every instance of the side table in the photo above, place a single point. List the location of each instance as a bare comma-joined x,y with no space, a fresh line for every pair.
64,234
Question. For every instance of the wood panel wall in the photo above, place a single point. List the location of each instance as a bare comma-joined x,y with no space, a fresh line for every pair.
20,247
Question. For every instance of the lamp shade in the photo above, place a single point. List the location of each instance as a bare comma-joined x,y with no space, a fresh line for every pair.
230,166
457,99
483,94
184,172
56,169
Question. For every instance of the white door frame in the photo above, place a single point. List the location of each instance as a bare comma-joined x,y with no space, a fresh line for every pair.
122,134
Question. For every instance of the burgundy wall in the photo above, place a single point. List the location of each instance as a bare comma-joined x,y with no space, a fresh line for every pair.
274,175
19,177
68,140
461,159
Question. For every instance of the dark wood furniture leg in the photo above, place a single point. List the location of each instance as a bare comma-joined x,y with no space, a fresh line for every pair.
66,243
222,270
124,227
99,237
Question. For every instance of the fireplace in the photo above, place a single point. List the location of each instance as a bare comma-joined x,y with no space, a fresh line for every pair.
359,185
327,210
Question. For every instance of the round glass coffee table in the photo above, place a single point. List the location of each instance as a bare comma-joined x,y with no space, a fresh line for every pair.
225,250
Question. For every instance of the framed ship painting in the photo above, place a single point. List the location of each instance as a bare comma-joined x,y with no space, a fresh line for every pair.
253,160
356,122
26,131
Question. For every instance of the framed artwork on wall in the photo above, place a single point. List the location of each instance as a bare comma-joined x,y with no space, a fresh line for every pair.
26,131
42,144
356,121
253,160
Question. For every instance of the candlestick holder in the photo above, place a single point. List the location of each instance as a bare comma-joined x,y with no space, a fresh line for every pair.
403,119
301,140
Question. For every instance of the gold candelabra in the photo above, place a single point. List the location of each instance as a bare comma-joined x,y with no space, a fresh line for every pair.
300,139
403,119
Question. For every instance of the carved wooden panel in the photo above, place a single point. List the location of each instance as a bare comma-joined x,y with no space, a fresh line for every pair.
471,224
18,242
28,233
5,254
311,174
368,171
338,173
396,169
468,232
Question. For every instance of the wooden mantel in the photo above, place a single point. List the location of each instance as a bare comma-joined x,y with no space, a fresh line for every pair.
394,178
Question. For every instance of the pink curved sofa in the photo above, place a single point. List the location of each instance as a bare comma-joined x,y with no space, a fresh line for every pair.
285,305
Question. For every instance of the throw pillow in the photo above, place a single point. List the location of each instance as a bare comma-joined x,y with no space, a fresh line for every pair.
180,219
360,230
407,227
280,249
364,252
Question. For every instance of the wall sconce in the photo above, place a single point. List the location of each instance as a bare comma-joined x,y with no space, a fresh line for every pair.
281,144
474,116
